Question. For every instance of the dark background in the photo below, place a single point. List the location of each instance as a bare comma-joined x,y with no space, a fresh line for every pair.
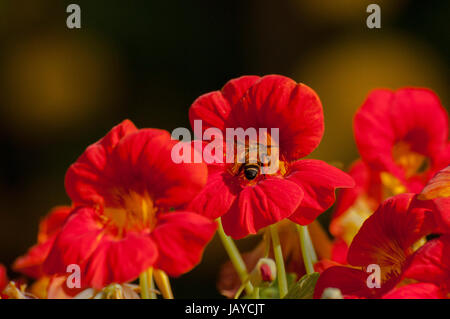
61,89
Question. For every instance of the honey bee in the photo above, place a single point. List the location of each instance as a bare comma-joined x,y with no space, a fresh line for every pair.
251,170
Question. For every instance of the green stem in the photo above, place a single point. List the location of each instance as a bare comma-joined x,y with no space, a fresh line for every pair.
163,283
256,293
312,251
147,285
151,283
308,252
143,283
266,243
278,253
239,291
235,257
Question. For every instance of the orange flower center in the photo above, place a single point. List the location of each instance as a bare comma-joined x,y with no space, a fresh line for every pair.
136,212
412,162
391,259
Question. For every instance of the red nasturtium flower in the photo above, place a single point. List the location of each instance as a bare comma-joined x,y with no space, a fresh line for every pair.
402,137
129,214
301,189
389,239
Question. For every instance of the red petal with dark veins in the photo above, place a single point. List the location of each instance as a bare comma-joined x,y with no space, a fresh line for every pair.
386,236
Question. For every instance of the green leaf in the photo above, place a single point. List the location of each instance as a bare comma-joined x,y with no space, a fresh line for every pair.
304,288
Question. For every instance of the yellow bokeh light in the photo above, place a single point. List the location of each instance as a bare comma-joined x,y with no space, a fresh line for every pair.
344,73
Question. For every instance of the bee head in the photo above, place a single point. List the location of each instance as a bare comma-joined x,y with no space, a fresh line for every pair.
251,171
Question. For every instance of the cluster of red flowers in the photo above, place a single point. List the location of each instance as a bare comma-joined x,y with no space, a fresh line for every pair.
135,213
397,215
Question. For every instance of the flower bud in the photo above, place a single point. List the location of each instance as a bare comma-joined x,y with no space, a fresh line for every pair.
264,273
331,293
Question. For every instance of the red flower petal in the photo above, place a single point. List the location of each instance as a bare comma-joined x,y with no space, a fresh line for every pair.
431,263
181,238
318,181
278,102
438,190
339,251
324,264
86,177
3,278
53,222
217,196
120,261
386,236
415,291
442,214
76,242
421,108
214,108
117,133
31,263
261,205
438,186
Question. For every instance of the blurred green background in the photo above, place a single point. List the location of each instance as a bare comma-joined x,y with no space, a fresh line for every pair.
62,89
